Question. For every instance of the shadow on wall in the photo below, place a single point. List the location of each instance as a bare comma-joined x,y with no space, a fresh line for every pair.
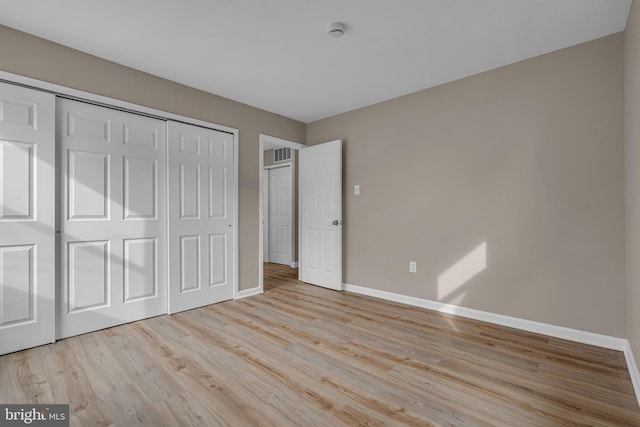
452,283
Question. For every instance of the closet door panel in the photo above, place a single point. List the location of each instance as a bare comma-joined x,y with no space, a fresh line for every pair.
201,218
27,221
114,242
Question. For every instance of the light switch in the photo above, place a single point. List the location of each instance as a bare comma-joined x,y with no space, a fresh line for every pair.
356,189
413,267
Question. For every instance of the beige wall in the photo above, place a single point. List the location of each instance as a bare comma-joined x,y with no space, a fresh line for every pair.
30,56
527,159
632,140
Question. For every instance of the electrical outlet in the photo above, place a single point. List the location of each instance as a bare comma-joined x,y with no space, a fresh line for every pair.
413,267
356,189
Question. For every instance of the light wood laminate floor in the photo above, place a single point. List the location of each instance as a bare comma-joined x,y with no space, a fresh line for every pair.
300,355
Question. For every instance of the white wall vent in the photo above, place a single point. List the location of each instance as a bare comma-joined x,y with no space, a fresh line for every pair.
281,154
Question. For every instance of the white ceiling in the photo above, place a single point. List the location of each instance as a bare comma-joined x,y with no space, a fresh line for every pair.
276,54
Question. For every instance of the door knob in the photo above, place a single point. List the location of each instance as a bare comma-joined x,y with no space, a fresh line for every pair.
336,222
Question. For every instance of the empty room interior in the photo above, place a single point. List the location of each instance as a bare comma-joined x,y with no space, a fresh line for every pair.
285,213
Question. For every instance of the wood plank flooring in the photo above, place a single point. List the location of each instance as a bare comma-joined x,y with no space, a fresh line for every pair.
300,355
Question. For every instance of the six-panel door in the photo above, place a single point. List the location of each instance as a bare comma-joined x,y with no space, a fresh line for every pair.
114,226
320,195
201,183
104,172
27,214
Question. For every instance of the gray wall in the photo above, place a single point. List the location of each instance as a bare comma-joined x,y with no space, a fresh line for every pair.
527,159
632,140
30,56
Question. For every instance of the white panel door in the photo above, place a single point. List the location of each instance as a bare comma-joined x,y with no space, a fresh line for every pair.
201,218
27,207
280,215
320,201
113,242
265,215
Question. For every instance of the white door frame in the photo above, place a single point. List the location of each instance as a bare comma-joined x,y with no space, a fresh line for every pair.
263,140
135,108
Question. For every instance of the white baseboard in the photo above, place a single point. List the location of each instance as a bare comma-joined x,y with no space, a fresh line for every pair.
634,373
293,264
562,332
249,292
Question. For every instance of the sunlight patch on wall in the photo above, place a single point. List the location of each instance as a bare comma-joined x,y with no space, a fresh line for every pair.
451,281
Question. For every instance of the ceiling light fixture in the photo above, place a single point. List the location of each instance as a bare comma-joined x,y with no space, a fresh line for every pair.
336,30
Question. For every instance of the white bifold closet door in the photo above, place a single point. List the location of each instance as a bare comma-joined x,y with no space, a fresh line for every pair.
27,218
114,221
202,212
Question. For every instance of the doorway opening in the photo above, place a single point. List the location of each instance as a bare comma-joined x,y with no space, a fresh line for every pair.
278,206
